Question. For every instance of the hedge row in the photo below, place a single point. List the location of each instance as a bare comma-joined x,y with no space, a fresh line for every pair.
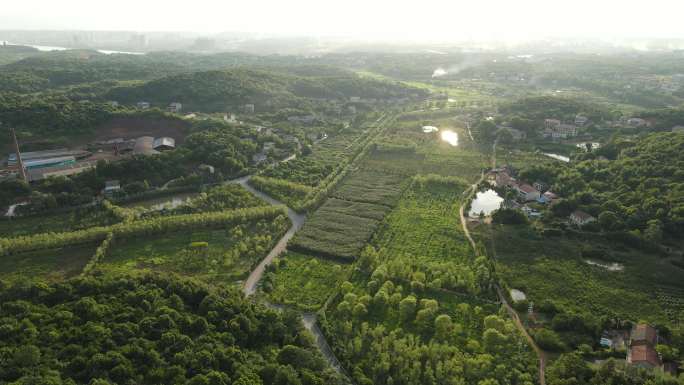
100,253
150,226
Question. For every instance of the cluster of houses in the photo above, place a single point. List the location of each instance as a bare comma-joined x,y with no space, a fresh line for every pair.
640,343
174,107
555,129
537,192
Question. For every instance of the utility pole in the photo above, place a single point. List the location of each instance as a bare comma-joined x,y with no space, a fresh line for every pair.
20,163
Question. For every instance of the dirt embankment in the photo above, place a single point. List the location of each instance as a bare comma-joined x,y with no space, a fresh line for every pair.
128,128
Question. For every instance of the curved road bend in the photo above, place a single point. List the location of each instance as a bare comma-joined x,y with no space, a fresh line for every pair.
250,285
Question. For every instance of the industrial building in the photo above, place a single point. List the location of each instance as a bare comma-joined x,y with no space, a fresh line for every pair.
63,170
49,162
57,154
164,143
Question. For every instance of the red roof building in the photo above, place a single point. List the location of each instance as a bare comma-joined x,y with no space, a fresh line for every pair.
643,334
644,356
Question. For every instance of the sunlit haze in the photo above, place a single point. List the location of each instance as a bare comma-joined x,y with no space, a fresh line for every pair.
428,20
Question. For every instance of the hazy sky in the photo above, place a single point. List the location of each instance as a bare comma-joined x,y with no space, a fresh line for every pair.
415,20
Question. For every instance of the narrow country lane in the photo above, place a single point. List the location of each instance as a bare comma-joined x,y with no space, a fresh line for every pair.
511,312
251,283
311,325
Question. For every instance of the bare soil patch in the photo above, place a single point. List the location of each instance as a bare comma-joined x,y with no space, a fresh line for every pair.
135,127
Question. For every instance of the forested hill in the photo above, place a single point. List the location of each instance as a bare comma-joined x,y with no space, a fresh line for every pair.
57,69
150,330
47,70
632,186
52,70
219,90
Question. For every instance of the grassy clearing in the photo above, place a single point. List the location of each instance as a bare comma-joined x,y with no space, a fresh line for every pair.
649,288
303,281
228,255
523,159
67,221
49,265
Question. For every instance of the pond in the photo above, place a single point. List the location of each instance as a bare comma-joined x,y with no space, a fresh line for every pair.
485,202
167,202
557,157
450,137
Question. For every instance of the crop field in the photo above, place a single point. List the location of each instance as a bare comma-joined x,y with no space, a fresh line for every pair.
359,209
331,234
447,162
310,170
215,255
45,265
671,298
67,221
303,281
426,153
371,187
554,269
343,224
426,224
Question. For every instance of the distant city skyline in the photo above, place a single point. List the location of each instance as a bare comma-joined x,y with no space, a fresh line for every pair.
427,20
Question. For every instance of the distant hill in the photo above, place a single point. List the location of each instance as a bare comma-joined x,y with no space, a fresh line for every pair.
203,82
226,89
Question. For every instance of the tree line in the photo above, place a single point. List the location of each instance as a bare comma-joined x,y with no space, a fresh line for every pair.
143,227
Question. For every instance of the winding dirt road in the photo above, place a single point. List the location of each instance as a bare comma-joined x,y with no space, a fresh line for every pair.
249,287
